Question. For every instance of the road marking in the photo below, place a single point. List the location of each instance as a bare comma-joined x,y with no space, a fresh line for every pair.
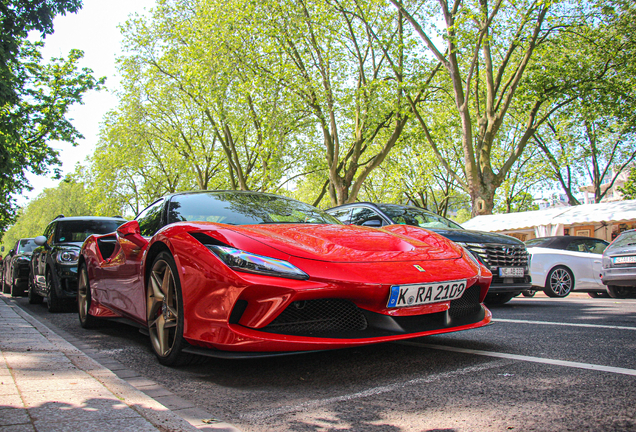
564,324
372,391
571,364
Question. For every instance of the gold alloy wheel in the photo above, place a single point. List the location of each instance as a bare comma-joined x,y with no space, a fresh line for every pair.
82,294
162,307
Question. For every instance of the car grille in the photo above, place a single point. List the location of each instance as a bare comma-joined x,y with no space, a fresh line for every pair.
311,317
468,304
496,255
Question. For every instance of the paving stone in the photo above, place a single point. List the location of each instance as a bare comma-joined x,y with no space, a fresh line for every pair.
91,410
79,383
11,401
13,416
117,425
71,397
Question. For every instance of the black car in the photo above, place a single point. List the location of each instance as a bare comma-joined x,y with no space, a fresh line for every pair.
15,275
54,263
506,257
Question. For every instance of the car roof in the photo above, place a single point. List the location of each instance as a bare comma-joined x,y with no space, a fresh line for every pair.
218,192
556,242
85,218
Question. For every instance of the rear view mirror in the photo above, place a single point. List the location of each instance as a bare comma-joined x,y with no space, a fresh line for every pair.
40,240
131,232
373,223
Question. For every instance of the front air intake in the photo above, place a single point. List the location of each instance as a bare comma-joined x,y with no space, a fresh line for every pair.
318,317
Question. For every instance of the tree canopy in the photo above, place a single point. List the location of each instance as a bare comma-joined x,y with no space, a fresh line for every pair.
35,96
454,106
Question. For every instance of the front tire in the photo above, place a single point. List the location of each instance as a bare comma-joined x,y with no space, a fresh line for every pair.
6,288
619,292
33,297
559,283
164,312
15,291
53,301
86,320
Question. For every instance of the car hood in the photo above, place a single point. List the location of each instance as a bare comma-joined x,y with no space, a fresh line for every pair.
468,236
350,243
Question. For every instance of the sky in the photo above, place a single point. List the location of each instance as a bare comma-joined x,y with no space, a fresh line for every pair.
94,30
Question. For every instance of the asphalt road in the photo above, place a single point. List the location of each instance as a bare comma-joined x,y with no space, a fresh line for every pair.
544,365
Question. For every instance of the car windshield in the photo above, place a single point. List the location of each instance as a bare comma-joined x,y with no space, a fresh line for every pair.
538,242
243,208
417,217
26,246
76,231
627,238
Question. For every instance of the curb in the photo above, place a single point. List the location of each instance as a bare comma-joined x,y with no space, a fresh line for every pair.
162,408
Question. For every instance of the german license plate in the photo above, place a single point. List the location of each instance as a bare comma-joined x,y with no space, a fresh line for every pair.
625,260
510,271
419,294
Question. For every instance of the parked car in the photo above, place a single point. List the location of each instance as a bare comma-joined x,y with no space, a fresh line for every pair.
243,274
54,263
5,262
619,266
562,264
504,256
15,275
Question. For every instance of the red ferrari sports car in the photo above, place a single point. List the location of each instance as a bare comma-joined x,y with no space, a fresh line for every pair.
244,274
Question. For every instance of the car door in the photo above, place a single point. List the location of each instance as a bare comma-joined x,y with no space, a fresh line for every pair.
125,289
39,258
595,248
582,263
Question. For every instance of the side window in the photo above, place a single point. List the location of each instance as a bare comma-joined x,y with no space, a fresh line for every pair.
577,246
150,219
48,233
596,246
343,215
360,215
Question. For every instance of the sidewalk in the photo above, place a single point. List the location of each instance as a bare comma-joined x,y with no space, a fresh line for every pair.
46,384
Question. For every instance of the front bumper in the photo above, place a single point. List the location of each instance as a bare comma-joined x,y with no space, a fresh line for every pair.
507,285
67,277
620,276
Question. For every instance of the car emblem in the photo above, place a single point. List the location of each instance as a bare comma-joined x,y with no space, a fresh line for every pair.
419,267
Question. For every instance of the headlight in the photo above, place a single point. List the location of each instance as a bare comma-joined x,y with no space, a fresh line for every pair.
252,263
68,256
473,259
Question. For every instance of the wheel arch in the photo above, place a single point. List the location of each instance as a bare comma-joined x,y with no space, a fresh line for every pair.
565,267
155,249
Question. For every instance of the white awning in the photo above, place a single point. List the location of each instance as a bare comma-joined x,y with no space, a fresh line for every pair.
513,221
618,211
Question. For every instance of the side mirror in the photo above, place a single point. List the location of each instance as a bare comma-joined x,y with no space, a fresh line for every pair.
131,232
373,223
40,240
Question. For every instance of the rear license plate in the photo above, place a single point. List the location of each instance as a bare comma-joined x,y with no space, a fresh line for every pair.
419,294
625,260
511,272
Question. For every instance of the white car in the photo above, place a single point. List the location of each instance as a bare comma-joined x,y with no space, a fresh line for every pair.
560,265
